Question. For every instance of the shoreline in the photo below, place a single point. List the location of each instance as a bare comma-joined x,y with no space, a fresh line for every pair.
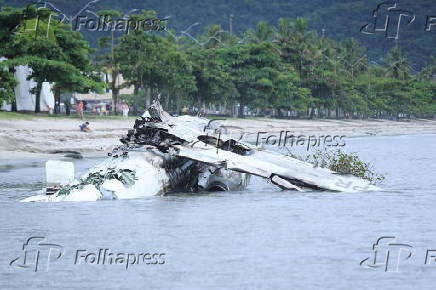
36,138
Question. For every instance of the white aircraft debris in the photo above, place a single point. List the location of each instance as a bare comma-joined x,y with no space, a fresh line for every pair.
164,154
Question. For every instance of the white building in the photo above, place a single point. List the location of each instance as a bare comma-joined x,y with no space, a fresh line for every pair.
24,99
106,96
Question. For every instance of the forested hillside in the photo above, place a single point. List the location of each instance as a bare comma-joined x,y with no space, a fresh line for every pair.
338,18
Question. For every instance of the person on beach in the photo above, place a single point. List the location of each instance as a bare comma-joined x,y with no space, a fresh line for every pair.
126,111
80,109
85,127
103,111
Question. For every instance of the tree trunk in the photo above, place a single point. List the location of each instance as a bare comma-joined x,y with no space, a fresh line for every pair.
178,103
14,102
234,109
38,97
312,113
114,100
241,109
115,90
57,97
167,103
148,98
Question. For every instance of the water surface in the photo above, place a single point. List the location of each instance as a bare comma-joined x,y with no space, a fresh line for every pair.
261,238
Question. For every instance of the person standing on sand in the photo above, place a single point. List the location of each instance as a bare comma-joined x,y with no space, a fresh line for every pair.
126,111
67,108
80,109
103,110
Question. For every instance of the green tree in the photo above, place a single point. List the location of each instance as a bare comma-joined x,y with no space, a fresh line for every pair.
212,79
429,72
263,33
108,62
53,52
260,77
156,64
398,65
7,85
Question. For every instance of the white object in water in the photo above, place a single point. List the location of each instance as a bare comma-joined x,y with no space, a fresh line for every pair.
88,193
112,188
59,172
150,180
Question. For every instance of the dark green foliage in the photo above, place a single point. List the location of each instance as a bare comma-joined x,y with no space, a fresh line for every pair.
50,49
8,83
278,66
340,19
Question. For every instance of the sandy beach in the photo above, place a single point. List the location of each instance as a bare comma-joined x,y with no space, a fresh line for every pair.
38,137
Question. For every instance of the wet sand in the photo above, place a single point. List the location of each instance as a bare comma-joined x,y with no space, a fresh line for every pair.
27,139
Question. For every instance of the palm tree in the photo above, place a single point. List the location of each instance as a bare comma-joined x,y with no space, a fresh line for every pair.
284,31
353,55
263,33
398,64
429,73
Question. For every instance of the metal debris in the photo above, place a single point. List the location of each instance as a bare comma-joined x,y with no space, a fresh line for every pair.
164,154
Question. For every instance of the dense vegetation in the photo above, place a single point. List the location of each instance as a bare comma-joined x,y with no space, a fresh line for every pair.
284,68
340,19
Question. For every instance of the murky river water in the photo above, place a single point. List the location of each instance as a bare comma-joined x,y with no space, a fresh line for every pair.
262,238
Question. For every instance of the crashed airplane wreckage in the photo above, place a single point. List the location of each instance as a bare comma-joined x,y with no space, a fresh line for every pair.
165,154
